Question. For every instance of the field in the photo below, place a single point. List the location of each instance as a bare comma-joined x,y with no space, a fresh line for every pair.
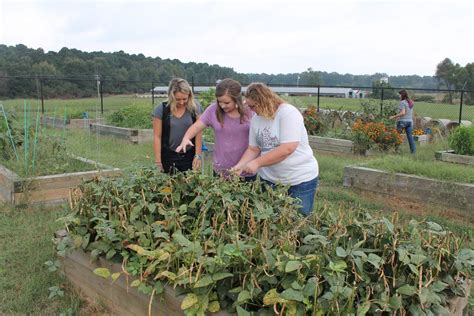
26,234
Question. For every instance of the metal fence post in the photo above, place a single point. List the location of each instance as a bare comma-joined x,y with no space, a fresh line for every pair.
318,97
101,84
460,107
381,102
42,96
152,93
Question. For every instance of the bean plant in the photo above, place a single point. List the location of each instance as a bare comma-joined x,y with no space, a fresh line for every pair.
229,245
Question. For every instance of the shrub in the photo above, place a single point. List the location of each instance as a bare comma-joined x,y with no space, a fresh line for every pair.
462,140
425,98
367,134
136,116
314,122
207,97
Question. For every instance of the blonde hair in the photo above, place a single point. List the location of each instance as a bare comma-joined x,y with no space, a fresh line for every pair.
182,86
266,101
233,89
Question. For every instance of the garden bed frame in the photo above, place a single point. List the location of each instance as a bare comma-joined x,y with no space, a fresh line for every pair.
133,135
336,145
118,296
450,156
57,122
51,189
459,195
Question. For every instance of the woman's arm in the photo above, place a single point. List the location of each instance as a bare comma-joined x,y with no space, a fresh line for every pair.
274,156
192,132
250,154
197,161
400,114
157,131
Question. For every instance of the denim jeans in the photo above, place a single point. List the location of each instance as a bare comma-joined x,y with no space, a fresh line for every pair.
304,193
408,126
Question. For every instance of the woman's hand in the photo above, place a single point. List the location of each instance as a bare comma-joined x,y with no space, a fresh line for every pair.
159,166
251,167
184,143
197,162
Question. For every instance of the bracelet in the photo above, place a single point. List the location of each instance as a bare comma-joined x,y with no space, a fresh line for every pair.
198,156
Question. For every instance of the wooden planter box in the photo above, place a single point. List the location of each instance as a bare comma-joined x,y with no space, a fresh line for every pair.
118,296
133,135
45,189
331,144
57,122
420,140
450,156
460,195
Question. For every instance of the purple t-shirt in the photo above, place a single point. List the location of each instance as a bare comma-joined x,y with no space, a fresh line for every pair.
232,139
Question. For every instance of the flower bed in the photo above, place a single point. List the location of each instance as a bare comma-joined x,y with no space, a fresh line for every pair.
228,245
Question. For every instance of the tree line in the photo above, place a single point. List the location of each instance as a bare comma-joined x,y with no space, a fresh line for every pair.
134,73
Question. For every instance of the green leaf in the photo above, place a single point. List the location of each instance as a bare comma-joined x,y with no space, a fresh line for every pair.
292,295
395,302
242,312
221,275
417,259
189,301
338,266
292,266
243,296
135,283
159,288
340,252
434,226
115,276
204,281
181,240
214,307
102,272
388,224
363,309
439,286
407,290
374,260
272,297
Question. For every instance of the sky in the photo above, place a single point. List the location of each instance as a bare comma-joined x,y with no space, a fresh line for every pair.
402,37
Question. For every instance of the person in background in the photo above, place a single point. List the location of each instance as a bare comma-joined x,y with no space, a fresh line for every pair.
171,119
230,120
278,146
405,119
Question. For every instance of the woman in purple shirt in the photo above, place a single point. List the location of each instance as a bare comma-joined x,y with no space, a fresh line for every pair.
230,119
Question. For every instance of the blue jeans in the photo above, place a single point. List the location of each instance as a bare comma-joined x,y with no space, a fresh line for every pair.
303,192
408,126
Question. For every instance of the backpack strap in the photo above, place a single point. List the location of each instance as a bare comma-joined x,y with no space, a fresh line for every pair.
166,124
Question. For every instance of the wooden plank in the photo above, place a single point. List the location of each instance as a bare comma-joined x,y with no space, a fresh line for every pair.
450,156
460,195
118,296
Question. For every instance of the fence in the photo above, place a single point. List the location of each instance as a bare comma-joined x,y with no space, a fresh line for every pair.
435,103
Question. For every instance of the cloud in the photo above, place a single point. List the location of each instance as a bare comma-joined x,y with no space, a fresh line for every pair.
396,37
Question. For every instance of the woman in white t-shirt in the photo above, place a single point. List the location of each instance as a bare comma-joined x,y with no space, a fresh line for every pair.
278,146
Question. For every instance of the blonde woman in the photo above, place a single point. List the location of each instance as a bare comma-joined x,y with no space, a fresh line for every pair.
278,146
171,120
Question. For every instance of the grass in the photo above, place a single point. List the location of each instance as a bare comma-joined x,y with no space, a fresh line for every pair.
422,109
26,233
24,280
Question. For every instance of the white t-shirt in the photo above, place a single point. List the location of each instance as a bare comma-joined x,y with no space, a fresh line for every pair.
286,127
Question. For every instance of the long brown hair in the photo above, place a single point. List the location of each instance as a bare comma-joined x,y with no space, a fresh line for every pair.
233,89
404,94
266,101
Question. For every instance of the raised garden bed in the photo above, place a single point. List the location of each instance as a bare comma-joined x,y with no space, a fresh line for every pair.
48,189
331,144
119,296
450,156
57,122
133,135
460,195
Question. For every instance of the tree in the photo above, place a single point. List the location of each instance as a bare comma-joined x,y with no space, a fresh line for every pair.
447,75
310,77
